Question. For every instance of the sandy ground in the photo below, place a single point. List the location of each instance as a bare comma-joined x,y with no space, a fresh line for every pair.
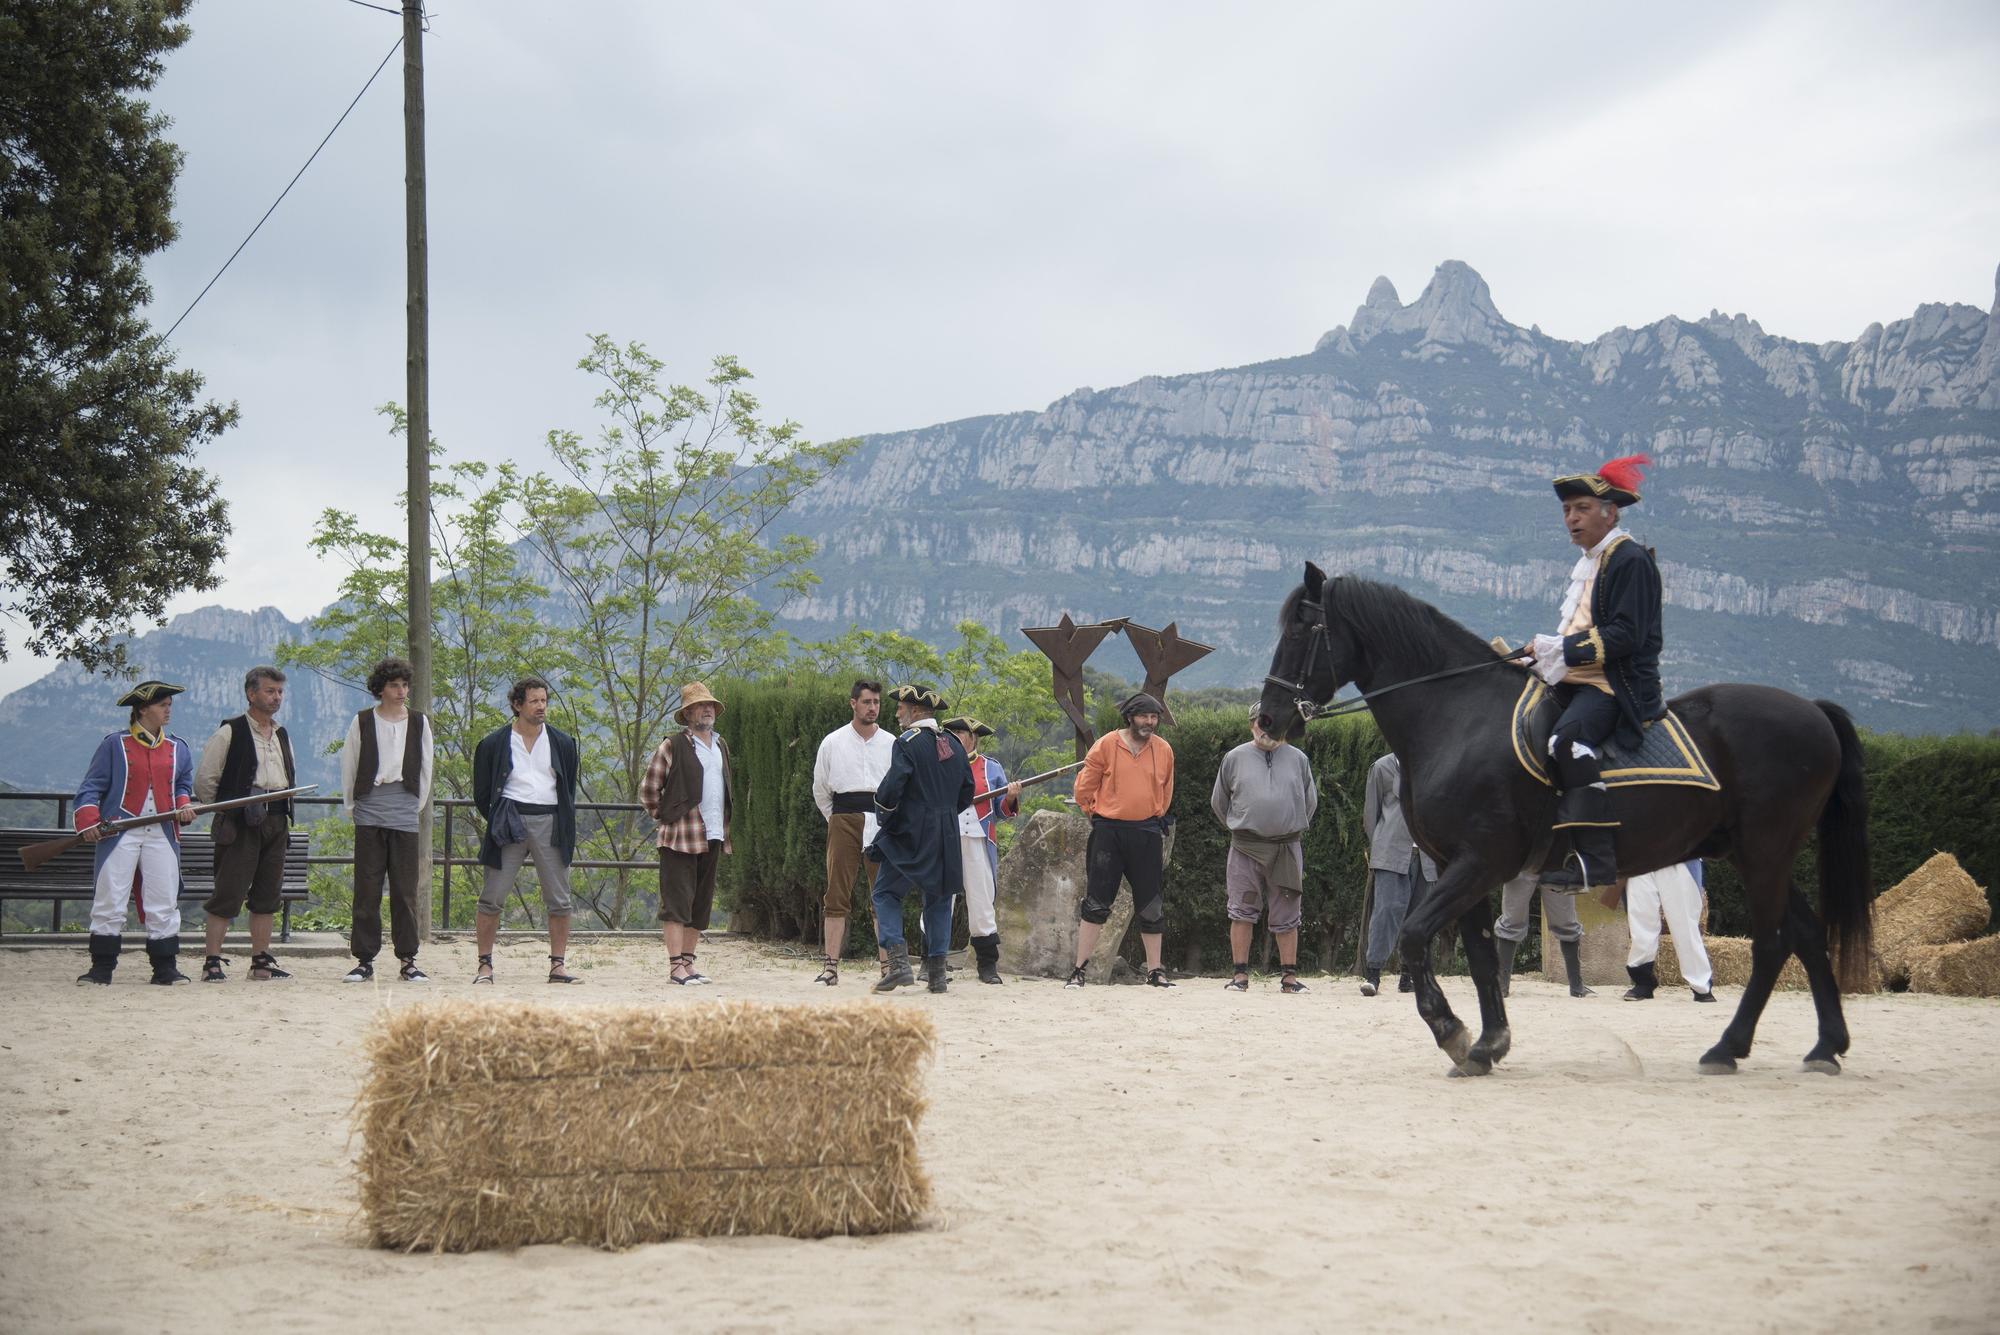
1111,1159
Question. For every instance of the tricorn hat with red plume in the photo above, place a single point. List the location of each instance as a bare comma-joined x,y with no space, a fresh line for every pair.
1617,482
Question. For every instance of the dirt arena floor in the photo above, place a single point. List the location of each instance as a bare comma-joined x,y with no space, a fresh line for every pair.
1113,1159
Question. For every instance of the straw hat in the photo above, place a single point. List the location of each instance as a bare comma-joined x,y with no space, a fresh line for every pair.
694,693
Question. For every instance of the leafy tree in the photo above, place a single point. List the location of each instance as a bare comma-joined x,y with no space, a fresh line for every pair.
103,514
658,536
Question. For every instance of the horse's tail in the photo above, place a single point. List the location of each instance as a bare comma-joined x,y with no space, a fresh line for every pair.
1846,885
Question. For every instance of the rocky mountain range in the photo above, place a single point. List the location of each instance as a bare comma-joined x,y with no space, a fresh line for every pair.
1827,516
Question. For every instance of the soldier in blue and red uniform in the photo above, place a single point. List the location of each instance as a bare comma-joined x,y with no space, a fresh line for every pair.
1604,665
979,842
137,772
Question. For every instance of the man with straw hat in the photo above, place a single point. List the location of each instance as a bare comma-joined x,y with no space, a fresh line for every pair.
978,841
687,790
928,784
1126,787
137,772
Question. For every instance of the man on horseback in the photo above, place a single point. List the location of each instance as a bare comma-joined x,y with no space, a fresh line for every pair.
1603,664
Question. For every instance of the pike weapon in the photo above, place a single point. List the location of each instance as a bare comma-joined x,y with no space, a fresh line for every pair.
1027,782
35,856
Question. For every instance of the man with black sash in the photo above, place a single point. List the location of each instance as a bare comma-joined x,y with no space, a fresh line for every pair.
248,754
928,784
852,761
386,766
1604,665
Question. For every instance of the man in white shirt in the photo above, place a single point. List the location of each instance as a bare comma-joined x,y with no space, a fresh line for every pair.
385,783
852,762
524,784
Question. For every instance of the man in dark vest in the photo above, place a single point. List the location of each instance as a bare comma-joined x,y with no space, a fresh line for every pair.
1604,665
385,784
928,784
248,754
524,778
687,790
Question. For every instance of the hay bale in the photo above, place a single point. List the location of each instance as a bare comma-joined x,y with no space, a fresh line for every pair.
495,1125
1965,969
1933,906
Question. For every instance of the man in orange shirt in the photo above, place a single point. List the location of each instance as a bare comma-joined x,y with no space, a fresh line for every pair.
1126,787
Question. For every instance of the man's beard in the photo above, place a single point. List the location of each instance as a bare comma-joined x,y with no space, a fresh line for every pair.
1142,732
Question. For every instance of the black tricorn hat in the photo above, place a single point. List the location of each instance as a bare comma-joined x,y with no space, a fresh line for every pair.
917,693
149,693
967,723
1618,481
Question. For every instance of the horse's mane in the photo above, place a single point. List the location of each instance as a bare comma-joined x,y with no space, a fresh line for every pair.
1401,624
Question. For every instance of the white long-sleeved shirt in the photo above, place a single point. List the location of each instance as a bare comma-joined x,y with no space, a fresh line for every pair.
848,763
390,739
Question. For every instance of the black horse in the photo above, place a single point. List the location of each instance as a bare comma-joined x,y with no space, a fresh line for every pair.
1784,764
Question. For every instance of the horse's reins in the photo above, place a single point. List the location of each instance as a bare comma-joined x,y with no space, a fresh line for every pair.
1310,710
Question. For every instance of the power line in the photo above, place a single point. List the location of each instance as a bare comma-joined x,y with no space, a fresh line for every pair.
384,8
288,187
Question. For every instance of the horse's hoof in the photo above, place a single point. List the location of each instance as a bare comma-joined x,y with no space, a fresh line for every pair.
1823,1065
1457,1045
1492,1047
1471,1066
1718,1061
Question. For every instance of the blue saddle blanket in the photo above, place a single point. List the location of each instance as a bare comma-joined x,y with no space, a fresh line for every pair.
1666,753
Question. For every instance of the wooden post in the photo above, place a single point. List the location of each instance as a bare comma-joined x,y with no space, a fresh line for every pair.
418,439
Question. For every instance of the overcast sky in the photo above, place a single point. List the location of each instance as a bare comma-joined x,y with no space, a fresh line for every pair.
904,214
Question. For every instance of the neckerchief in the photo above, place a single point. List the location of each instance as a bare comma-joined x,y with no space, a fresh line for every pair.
1580,574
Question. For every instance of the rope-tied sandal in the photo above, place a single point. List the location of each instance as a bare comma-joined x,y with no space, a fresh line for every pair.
1158,978
830,972
1291,982
559,972
484,973
680,962
214,969
1239,980
263,968
695,975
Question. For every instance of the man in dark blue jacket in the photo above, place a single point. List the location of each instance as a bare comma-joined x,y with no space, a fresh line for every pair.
1604,664
524,784
928,784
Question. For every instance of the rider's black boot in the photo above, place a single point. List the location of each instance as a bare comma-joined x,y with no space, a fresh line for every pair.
1592,864
1645,981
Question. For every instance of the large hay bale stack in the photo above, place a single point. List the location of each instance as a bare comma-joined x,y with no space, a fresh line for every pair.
494,1125
1965,969
1933,906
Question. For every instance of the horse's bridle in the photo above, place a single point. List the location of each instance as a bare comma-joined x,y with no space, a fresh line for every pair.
1317,635
1309,710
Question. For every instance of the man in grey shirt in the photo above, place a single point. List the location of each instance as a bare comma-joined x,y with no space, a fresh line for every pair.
1265,795
1401,872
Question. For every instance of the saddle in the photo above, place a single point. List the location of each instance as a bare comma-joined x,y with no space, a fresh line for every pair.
1666,754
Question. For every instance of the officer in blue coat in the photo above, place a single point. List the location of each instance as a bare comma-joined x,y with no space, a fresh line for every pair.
917,804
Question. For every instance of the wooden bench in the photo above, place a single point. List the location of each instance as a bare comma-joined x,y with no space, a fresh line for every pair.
71,874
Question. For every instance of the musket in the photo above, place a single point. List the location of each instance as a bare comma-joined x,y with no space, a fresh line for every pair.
35,856
1028,782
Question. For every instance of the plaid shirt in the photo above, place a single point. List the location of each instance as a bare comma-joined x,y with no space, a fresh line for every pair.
688,834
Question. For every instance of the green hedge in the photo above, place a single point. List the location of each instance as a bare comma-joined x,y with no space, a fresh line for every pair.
1926,794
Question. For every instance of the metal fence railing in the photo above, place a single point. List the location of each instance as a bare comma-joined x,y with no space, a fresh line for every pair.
452,817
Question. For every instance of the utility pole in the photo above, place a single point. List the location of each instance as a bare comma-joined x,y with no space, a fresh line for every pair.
417,239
